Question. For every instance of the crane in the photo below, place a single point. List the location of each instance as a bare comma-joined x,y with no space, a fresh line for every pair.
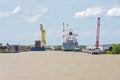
43,35
97,33
40,44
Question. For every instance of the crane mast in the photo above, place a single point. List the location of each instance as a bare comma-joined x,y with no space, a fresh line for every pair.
43,35
97,33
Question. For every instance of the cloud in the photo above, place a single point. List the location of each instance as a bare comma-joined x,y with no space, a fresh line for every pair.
90,12
16,10
32,18
9,13
34,15
31,15
115,11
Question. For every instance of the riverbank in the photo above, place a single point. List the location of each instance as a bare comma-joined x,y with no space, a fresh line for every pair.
59,65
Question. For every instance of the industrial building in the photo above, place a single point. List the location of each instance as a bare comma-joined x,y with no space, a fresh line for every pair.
101,47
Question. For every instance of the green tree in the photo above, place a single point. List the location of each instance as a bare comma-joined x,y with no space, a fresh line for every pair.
115,49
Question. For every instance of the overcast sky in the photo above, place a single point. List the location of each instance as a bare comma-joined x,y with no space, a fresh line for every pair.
20,20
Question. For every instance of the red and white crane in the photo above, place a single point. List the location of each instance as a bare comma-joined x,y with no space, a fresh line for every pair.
97,33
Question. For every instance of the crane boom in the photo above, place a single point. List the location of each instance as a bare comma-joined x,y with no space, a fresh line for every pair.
97,33
43,35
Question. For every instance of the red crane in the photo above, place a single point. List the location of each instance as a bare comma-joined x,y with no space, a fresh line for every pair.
97,33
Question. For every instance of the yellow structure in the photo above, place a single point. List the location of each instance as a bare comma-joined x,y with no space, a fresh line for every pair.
43,35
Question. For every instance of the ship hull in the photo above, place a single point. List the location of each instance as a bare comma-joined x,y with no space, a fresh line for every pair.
37,49
69,47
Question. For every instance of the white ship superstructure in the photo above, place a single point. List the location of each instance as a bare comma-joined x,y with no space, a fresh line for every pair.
69,39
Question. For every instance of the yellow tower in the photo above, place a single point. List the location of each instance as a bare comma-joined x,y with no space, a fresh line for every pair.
43,35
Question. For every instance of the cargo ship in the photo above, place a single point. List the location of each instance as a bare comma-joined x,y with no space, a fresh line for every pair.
69,39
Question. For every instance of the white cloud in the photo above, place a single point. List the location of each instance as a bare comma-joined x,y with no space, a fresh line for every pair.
32,18
34,15
16,10
115,11
31,15
90,12
9,13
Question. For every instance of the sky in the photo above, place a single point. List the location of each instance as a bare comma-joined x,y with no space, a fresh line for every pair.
20,20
